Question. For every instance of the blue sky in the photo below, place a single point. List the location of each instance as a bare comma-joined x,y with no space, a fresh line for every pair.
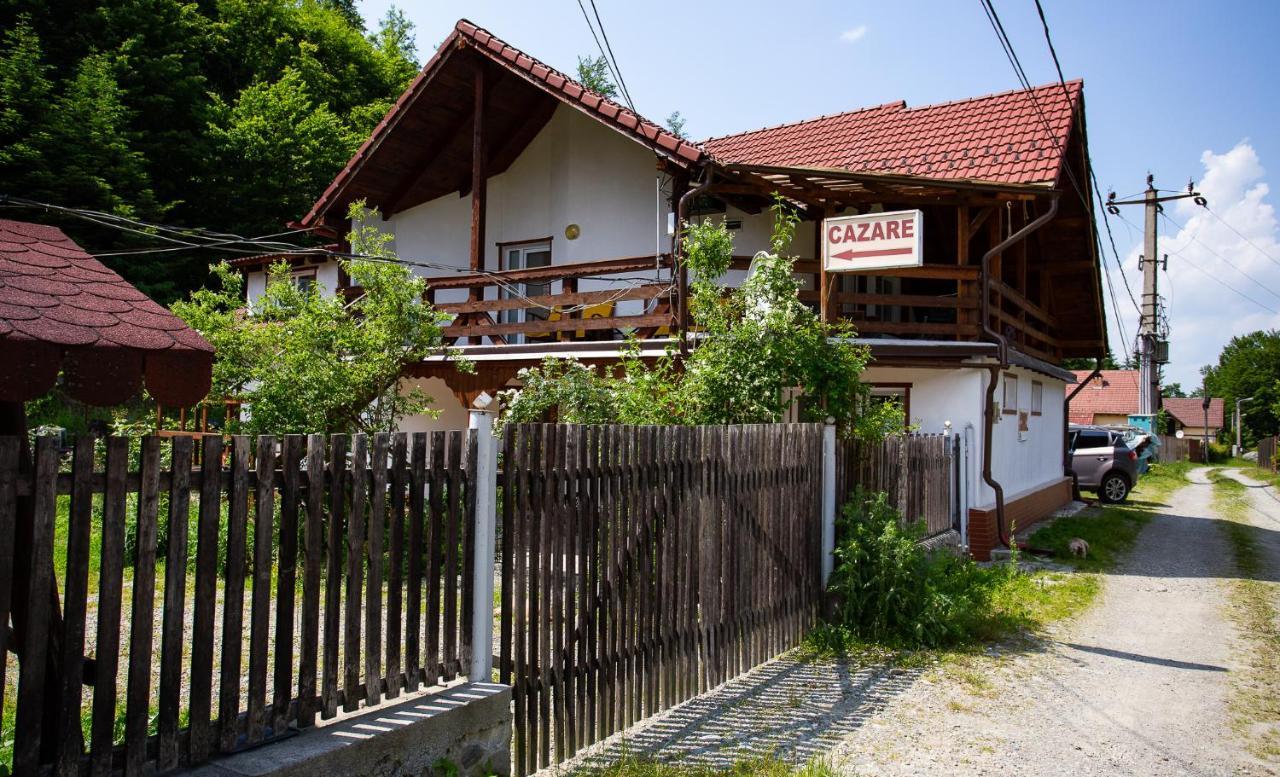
1181,89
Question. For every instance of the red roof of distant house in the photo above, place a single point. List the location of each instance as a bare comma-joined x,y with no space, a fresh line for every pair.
62,309
1189,411
998,138
1114,392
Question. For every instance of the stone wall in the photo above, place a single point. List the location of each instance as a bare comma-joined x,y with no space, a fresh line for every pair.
467,727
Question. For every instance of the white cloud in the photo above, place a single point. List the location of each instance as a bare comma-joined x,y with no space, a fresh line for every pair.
854,34
1211,267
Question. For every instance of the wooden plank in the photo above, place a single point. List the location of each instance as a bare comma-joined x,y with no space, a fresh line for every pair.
313,553
515,590
201,738
589,553
549,326
36,641
174,618
534,457
581,513
453,518
373,593
233,595
436,478
354,592
600,267
555,590
645,292
568,518
138,693
286,579
413,602
260,601
338,478
9,449
506,538
395,561
546,615
75,600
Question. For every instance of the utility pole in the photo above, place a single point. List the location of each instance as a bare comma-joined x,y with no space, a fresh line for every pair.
1153,347
1239,447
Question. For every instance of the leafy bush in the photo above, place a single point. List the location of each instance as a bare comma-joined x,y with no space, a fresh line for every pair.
889,589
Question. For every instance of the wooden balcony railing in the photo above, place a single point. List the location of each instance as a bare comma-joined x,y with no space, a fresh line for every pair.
562,311
565,314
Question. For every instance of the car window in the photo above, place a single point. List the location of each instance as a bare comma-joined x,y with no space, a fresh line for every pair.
1093,440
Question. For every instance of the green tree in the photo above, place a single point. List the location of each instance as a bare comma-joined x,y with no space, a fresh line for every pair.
1173,390
675,123
1249,366
1088,363
593,73
305,361
157,109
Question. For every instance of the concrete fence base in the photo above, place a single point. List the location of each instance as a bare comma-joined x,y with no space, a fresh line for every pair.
466,727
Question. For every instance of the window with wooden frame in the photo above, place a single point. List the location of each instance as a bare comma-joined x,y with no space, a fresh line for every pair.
304,279
1010,404
894,392
1037,398
524,255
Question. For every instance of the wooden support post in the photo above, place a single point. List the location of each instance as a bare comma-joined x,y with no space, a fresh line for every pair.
479,178
825,279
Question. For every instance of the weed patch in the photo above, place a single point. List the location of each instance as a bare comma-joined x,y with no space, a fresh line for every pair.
1255,702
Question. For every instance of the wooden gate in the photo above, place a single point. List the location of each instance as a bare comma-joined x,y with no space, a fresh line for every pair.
644,565
916,472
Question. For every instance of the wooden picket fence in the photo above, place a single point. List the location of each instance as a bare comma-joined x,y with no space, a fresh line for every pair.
1267,453
916,472
367,541
644,565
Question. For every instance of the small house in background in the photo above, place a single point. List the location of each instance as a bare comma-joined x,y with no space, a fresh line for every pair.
1186,415
545,215
1108,399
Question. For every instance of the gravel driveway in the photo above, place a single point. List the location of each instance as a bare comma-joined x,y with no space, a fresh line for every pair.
1137,686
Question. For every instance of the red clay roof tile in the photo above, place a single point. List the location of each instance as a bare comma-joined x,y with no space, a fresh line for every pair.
995,134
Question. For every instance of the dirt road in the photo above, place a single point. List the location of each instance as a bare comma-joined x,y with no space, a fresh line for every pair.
1138,686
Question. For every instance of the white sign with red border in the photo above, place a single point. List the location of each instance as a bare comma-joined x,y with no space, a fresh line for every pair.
873,241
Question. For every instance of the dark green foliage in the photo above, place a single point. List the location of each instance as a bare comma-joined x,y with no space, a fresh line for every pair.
888,589
226,114
593,73
1249,366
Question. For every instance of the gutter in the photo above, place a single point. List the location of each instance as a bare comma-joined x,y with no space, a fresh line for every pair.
1066,405
1002,362
682,210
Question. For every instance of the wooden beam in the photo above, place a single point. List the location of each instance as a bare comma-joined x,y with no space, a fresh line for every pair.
396,201
979,219
479,177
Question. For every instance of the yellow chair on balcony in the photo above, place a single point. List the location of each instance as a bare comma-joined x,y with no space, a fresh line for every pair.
603,310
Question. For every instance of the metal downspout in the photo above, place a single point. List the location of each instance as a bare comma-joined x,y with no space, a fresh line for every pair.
1066,448
682,210
1003,361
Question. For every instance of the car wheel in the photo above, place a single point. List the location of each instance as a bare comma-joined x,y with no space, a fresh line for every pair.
1114,488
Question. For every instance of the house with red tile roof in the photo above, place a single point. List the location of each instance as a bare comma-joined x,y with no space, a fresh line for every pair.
545,215
1109,398
1187,415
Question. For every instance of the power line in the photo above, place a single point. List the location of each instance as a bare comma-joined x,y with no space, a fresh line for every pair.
617,69
1182,228
234,243
608,63
1227,224
993,17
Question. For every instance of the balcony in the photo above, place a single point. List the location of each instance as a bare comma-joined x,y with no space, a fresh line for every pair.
553,304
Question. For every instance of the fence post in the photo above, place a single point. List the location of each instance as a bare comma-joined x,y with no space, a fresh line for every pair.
486,486
828,499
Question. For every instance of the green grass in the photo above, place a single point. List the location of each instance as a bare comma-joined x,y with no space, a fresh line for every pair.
1255,701
753,767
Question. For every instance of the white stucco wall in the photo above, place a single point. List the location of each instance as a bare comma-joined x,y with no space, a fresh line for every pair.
452,414
326,278
576,171
957,395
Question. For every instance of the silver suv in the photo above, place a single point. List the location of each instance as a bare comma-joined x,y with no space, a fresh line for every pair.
1102,461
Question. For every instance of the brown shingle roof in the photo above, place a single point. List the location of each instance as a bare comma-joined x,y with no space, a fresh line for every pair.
62,309
1189,411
